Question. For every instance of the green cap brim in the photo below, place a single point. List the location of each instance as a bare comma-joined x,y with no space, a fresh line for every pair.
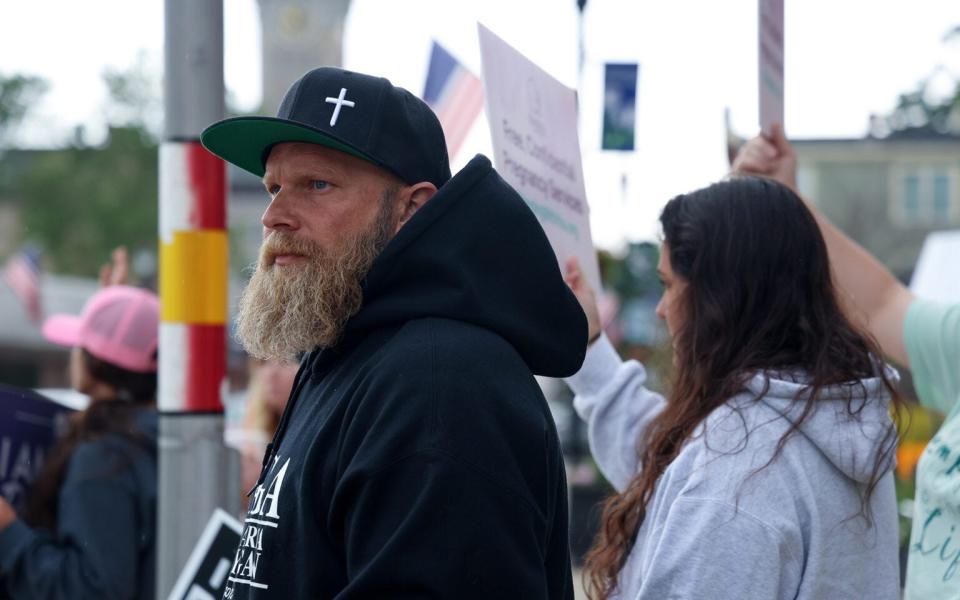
245,141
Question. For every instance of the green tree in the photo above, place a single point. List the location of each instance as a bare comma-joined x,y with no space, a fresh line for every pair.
134,97
81,202
17,94
924,108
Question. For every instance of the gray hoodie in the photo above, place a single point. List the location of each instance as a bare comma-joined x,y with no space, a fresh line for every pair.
718,528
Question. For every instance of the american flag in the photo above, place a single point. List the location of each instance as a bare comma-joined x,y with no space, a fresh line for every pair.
455,94
22,274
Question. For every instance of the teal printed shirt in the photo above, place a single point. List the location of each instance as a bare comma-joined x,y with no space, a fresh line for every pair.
932,337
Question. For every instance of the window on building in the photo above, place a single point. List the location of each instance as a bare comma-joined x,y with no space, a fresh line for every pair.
911,197
926,195
941,196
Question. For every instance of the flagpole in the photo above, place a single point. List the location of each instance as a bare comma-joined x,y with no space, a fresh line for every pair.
581,51
575,424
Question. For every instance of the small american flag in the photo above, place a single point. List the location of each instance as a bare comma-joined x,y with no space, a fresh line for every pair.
22,274
455,94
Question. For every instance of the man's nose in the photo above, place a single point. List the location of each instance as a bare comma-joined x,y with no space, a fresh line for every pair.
280,214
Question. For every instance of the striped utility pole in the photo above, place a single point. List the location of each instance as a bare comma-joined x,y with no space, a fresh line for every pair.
195,466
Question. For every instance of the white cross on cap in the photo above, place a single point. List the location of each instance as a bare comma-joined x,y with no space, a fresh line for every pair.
341,101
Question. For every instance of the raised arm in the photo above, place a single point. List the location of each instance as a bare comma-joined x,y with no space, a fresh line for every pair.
870,295
611,395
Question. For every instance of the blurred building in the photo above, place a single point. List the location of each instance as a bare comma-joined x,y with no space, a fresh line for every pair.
888,193
27,359
298,35
248,201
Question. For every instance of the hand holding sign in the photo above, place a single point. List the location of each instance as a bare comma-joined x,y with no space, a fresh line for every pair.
769,157
587,297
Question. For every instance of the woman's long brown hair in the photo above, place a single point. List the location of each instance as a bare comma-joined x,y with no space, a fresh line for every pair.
101,418
759,296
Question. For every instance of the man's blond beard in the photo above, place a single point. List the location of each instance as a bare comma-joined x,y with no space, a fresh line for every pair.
296,308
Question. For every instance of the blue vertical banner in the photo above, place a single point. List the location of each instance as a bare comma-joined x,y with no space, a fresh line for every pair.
619,105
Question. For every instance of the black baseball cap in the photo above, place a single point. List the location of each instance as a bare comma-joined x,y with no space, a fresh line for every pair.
359,114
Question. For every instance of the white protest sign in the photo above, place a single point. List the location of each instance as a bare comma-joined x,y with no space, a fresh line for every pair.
937,274
533,123
770,26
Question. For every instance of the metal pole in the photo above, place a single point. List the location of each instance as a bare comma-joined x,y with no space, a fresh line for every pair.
194,473
581,54
581,51
574,424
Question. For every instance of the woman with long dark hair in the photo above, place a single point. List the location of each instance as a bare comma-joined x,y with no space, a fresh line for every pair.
765,472
920,333
88,530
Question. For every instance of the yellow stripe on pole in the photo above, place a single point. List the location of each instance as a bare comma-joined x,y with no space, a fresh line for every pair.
193,278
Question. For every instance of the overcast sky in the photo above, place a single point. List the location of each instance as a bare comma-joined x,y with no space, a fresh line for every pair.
844,61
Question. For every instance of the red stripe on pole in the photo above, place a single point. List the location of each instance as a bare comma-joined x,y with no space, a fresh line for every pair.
208,178
206,368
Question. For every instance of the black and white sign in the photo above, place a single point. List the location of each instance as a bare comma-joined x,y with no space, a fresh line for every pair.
205,575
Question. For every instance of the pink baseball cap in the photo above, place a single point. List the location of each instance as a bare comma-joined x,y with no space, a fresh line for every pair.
119,325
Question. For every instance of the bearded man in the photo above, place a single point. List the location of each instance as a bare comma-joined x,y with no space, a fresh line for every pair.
417,456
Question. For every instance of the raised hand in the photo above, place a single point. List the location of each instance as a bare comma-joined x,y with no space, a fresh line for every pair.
770,157
586,296
115,272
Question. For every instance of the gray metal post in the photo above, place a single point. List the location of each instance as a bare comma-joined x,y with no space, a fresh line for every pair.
193,88
197,472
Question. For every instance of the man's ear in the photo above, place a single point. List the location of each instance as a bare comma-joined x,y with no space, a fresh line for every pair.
412,198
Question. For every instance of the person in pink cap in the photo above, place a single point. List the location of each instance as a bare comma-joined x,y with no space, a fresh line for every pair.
89,526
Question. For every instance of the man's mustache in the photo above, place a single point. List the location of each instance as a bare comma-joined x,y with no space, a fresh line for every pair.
277,244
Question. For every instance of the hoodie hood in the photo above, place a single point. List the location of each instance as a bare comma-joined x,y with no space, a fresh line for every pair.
476,253
849,424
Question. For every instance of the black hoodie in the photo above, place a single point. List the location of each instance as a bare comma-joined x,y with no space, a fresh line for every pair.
418,457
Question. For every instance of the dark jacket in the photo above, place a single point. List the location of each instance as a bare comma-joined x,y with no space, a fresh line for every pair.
105,544
418,457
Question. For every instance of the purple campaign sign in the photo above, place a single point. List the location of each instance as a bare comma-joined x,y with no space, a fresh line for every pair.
28,422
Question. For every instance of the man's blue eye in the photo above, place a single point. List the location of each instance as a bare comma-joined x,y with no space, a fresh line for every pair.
319,184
